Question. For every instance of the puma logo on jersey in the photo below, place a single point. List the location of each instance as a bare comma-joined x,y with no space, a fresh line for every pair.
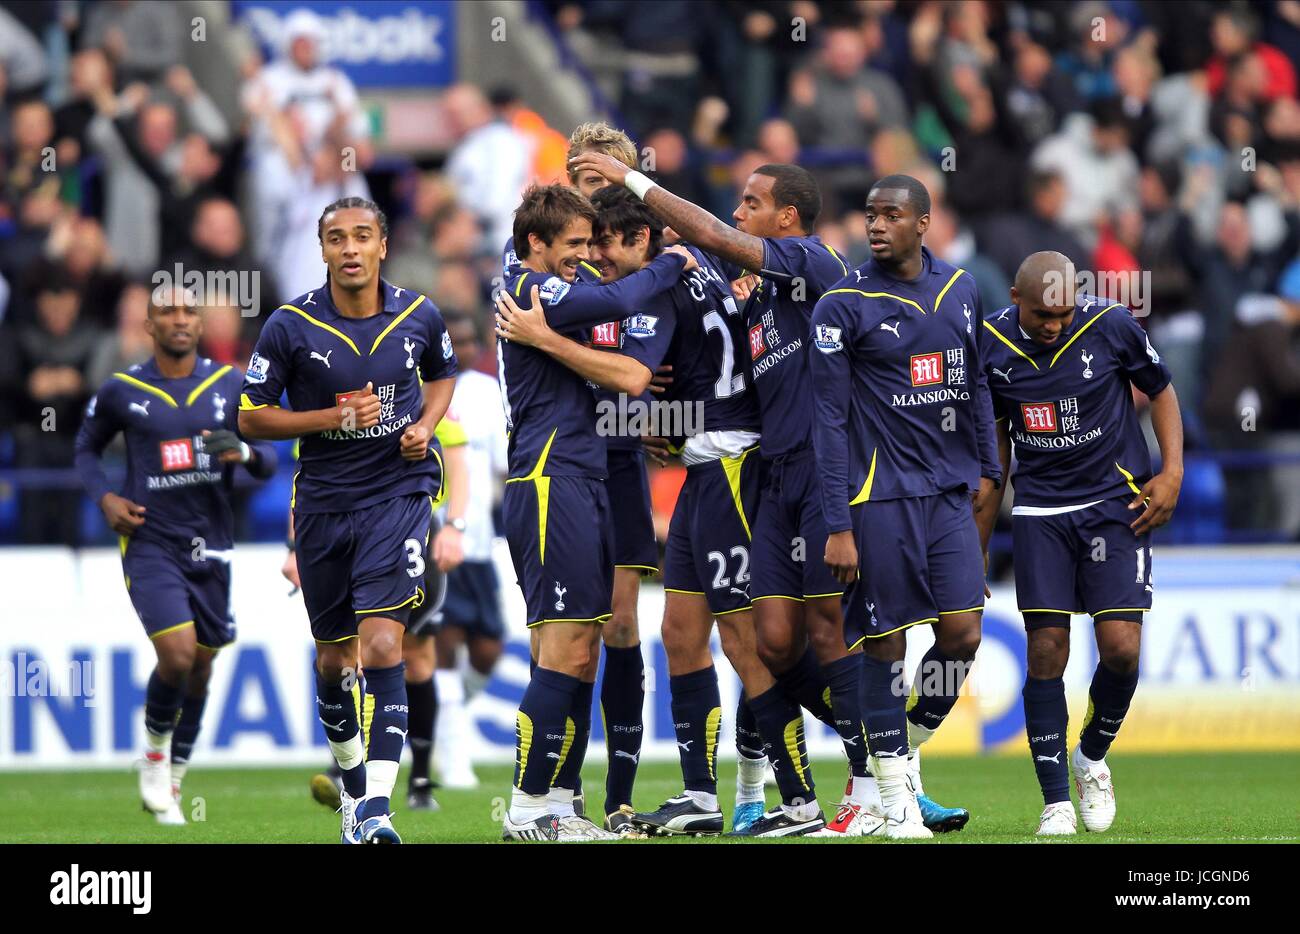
310,300
1005,312
325,359
634,756
1055,760
1006,376
141,407
686,746
393,729
884,326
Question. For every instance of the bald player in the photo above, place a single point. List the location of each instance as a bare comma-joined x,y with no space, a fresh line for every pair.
1061,365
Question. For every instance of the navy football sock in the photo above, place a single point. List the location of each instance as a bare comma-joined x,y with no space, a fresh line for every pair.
389,715
543,730
622,705
1108,698
884,708
187,728
1046,720
843,675
162,702
806,685
570,774
697,719
935,688
749,742
422,698
336,706
780,723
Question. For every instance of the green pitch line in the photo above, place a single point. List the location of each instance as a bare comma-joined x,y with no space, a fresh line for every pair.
1162,799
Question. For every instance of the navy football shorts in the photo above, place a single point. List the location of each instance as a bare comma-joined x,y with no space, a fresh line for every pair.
634,522
1085,561
474,600
170,590
428,617
368,562
919,558
561,542
790,533
708,549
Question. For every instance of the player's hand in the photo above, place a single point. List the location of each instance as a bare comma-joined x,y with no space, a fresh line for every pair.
227,446
526,326
656,449
842,556
290,569
448,549
679,250
605,166
662,380
360,410
742,287
123,516
415,443
1161,496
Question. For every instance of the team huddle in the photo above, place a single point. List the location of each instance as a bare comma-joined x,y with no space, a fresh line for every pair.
847,438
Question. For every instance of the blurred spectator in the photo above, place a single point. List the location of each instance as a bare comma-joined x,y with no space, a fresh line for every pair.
1096,33
550,148
490,163
79,245
142,39
222,336
89,71
1008,238
29,162
955,244
134,202
668,160
129,342
1234,34
1037,94
21,56
43,367
218,245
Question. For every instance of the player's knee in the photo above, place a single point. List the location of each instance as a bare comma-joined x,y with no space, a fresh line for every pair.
1121,659
827,643
483,655
1047,653
175,665
961,644
381,649
620,631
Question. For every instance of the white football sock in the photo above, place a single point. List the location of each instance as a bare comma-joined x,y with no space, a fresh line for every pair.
559,801
914,766
749,779
704,799
158,742
891,778
350,753
381,776
525,808
178,772
864,792
805,811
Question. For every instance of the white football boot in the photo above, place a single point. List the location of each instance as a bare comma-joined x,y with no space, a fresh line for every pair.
156,782
1058,820
1096,791
173,816
898,800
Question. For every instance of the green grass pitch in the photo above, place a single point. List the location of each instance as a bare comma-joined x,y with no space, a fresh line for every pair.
1162,799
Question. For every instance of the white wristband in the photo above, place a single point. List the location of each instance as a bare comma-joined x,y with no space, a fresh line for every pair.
638,184
245,453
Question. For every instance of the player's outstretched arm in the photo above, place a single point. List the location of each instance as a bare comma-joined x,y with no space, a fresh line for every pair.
1160,493
528,326
691,222
568,307
271,423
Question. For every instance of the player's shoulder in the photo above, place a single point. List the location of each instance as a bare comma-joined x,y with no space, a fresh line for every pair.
850,294
402,300
551,289
1001,323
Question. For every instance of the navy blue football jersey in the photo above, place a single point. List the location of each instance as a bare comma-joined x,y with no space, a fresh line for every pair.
185,490
550,410
796,272
1073,427
902,406
319,358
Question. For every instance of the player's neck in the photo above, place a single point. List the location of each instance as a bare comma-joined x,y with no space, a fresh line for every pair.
173,367
363,303
906,269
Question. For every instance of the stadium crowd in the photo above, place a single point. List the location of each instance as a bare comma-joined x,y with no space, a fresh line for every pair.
1135,137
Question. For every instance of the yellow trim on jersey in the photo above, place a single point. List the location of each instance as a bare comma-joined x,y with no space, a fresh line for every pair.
864,494
998,335
637,567
442,481
776,596
198,390
246,404
336,641
140,384
603,617
367,708
590,268
524,743
520,284
693,593
944,290
1036,609
830,249
543,485
1079,332
969,609
394,323
819,596
323,326
1129,478
1123,609
712,727
898,298
214,649
163,632
732,466
793,736
122,542
293,489
919,622
742,609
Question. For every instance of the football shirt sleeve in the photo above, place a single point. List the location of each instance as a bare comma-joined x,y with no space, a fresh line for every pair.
832,381
439,358
583,306
97,430
1138,358
986,438
268,368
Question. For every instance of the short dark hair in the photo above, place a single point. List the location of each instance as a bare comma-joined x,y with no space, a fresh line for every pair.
545,211
621,212
916,192
794,187
353,202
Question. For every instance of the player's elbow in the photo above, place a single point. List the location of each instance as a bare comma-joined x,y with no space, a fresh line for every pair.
636,380
250,427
